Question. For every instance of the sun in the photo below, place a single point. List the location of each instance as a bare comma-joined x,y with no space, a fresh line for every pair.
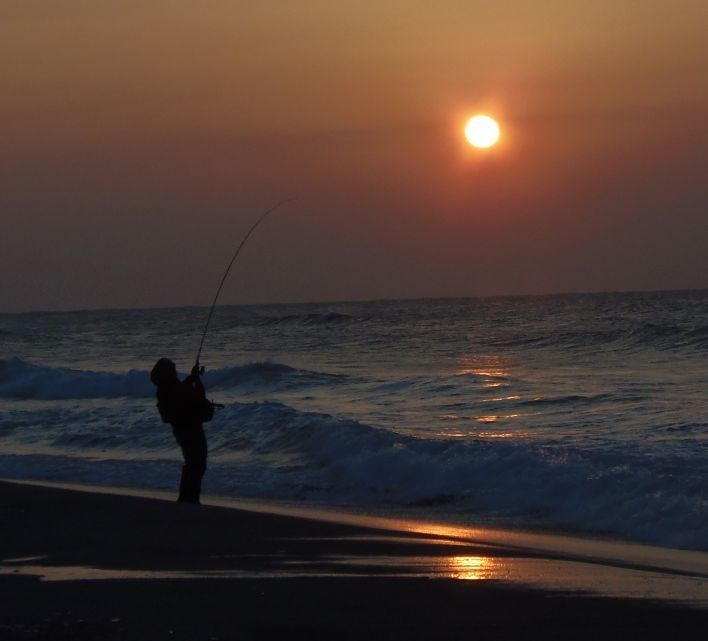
482,131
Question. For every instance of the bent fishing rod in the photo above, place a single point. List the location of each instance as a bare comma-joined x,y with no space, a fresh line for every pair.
228,269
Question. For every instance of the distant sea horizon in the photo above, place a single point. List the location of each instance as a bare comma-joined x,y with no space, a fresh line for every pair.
344,301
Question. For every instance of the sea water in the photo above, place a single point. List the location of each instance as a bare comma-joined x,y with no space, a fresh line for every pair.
576,412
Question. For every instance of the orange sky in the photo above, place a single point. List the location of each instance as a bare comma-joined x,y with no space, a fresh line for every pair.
141,138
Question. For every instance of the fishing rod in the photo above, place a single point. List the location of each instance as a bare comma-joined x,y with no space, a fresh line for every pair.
228,269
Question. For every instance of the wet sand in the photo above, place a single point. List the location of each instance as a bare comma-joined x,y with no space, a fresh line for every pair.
86,565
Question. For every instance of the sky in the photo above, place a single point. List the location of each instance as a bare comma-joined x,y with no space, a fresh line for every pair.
140,139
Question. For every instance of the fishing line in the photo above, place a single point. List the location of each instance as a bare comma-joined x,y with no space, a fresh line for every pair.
228,269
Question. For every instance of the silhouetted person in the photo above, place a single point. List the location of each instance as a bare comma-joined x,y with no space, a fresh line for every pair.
183,405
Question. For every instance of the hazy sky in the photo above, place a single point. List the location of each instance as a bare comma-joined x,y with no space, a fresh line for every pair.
139,140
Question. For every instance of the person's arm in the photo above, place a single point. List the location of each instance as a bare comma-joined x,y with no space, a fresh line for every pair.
197,380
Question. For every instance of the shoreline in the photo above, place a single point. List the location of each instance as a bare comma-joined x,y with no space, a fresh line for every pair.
253,573
568,546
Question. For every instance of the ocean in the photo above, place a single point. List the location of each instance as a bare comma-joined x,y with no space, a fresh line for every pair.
574,413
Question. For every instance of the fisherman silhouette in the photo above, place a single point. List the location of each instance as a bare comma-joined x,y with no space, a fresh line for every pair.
183,404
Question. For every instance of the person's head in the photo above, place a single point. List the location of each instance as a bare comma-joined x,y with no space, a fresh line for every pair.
164,372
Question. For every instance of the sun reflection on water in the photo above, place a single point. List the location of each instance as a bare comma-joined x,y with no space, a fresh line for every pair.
493,418
502,435
489,368
498,399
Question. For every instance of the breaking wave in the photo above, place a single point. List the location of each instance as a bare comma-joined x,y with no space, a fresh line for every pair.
271,450
323,457
22,380
19,379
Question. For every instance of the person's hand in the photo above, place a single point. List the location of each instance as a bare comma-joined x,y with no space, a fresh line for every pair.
196,371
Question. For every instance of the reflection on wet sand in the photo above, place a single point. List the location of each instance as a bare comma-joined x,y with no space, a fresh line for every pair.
473,568
534,571
313,543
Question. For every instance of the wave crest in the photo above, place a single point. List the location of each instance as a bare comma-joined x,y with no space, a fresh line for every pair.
271,450
19,379
22,380
321,457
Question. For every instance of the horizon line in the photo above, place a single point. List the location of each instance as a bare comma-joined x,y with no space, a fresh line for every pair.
361,301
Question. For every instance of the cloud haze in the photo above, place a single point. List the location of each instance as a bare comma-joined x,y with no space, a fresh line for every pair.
140,142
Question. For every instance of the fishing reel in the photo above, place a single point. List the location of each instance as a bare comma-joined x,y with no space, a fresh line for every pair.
209,406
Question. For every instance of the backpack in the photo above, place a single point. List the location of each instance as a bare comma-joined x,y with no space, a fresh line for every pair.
206,410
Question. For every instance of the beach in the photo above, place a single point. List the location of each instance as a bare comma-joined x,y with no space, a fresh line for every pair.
89,565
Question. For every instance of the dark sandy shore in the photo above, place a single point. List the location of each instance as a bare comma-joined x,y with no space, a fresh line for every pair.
81,565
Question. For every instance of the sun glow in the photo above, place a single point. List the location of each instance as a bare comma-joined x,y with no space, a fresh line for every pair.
482,131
